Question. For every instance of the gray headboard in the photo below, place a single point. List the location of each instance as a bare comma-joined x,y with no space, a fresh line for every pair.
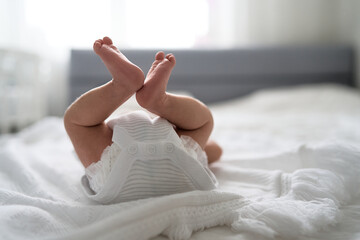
217,75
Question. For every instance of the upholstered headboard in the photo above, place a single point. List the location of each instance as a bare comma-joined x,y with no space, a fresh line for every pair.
217,75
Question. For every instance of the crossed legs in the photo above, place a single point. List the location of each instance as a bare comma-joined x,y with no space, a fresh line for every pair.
84,119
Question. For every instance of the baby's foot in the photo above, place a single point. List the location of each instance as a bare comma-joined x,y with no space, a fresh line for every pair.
153,93
125,74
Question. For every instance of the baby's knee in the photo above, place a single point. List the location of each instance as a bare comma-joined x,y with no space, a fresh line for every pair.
213,151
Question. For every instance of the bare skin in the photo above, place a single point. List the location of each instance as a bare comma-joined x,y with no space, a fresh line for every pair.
85,119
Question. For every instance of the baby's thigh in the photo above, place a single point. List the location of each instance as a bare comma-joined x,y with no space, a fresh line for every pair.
90,142
200,135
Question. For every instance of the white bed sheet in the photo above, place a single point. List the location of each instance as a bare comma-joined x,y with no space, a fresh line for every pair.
274,141
256,133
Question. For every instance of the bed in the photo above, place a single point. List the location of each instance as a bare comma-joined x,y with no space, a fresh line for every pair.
287,119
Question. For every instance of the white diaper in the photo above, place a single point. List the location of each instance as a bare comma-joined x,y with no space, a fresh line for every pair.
147,159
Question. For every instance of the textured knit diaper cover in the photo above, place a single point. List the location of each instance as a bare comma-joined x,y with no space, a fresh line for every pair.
147,159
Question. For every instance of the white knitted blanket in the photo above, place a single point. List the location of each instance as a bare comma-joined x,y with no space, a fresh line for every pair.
41,198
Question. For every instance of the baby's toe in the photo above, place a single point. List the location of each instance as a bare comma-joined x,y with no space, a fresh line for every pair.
159,55
171,58
107,40
97,44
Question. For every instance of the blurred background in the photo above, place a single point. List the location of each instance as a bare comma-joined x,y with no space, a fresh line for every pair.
36,37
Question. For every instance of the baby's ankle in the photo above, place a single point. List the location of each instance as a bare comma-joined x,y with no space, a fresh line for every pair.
120,91
132,84
153,103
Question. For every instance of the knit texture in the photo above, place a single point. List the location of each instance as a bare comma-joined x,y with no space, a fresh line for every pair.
147,159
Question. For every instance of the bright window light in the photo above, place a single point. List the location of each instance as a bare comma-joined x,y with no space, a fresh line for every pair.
131,23
166,23
69,23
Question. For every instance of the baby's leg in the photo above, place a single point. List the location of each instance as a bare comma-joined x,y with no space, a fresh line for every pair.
190,116
84,119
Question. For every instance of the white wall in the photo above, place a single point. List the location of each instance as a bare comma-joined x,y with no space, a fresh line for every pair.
292,22
349,28
289,22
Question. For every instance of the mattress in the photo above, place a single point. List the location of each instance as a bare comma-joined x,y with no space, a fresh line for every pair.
290,170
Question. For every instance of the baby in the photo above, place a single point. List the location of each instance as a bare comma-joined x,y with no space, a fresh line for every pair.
137,156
